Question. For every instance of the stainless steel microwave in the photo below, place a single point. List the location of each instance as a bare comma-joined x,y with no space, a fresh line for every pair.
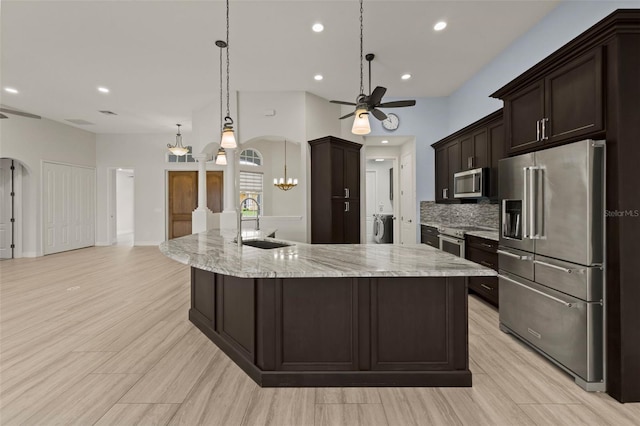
471,183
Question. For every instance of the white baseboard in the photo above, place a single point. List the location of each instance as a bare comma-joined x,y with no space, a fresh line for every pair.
102,243
29,254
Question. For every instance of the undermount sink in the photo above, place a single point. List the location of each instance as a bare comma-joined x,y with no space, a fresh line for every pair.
264,244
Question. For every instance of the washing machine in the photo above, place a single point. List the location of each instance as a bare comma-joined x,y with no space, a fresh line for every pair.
383,228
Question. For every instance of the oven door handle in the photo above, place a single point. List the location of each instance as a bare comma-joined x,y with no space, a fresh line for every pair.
451,240
541,293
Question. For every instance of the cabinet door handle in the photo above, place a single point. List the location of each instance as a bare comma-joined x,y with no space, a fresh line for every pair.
445,193
486,287
544,129
346,193
487,264
538,130
346,206
486,245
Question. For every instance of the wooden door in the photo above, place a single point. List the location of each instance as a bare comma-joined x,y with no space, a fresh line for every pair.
467,152
453,160
336,174
480,149
183,199
496,136
352,173
442,175
523,110
574,99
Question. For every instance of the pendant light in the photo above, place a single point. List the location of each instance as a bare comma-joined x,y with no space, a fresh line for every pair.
285,183
361,124
221,156
178,149
228,138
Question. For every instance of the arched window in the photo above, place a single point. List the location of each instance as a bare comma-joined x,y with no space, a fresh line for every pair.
250,157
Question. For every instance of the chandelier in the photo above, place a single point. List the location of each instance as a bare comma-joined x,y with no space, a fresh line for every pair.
178,149
285,183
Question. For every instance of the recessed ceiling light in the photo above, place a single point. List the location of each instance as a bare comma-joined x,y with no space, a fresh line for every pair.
318,77
440,26
317,27
379,159
103,90
384,141
406,76
10,90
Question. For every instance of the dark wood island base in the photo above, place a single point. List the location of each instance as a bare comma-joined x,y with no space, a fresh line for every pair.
337,331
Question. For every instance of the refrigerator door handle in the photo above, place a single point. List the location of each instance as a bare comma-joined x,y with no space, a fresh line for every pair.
559,268
525,205
548,296
533,214
515,256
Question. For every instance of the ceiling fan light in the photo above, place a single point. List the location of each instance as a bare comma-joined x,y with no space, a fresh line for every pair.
361,124
228,138
221,157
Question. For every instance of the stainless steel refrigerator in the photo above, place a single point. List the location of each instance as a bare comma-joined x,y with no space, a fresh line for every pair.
551,252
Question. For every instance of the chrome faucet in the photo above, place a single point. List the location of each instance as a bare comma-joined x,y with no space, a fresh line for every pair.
240,220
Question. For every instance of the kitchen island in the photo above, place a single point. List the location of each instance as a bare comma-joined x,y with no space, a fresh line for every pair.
332,315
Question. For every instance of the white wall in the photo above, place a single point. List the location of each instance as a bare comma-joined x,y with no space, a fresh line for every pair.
571,18
31,142
124,201
145,153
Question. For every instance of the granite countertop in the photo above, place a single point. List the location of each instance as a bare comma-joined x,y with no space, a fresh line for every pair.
215,251
487,233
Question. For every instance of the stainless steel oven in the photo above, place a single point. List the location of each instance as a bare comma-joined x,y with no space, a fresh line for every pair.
452,245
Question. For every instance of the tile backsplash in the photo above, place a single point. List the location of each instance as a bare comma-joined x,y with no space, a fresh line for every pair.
482,214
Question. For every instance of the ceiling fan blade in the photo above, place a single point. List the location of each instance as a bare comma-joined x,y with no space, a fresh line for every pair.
343,103
379,114
397,104
377,95
21,113
348,115
3,116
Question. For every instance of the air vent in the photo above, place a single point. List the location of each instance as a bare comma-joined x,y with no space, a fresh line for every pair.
105,112
80,122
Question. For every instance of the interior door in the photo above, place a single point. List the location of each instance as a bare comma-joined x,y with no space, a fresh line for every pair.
6,202
407,201
183,199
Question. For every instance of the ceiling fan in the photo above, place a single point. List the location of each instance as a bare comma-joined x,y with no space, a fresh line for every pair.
373,101
7,110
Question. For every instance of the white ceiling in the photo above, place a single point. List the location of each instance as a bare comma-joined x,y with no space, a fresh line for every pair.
160,62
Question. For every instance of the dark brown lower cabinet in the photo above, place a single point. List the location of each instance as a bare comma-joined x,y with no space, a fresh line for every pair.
429,236
392,331
483,251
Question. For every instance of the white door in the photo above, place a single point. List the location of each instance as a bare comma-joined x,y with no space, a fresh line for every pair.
5,209
407,201
68,202
371,202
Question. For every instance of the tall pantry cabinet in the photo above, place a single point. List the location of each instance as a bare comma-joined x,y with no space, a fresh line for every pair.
335,191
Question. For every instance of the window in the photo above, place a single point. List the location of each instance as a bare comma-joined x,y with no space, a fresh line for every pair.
250,187
250,157
187,158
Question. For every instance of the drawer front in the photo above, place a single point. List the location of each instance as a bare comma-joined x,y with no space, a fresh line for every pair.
432,241
482,243
486,287
567,329
579,281
482,257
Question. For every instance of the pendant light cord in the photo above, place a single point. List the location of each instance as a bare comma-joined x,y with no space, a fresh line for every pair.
228,115
221,119
361,50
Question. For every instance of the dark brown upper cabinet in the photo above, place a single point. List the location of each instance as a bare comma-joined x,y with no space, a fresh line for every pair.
481,144
335,191
562,106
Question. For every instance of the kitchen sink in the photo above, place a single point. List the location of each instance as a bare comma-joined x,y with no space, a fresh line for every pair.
265,244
